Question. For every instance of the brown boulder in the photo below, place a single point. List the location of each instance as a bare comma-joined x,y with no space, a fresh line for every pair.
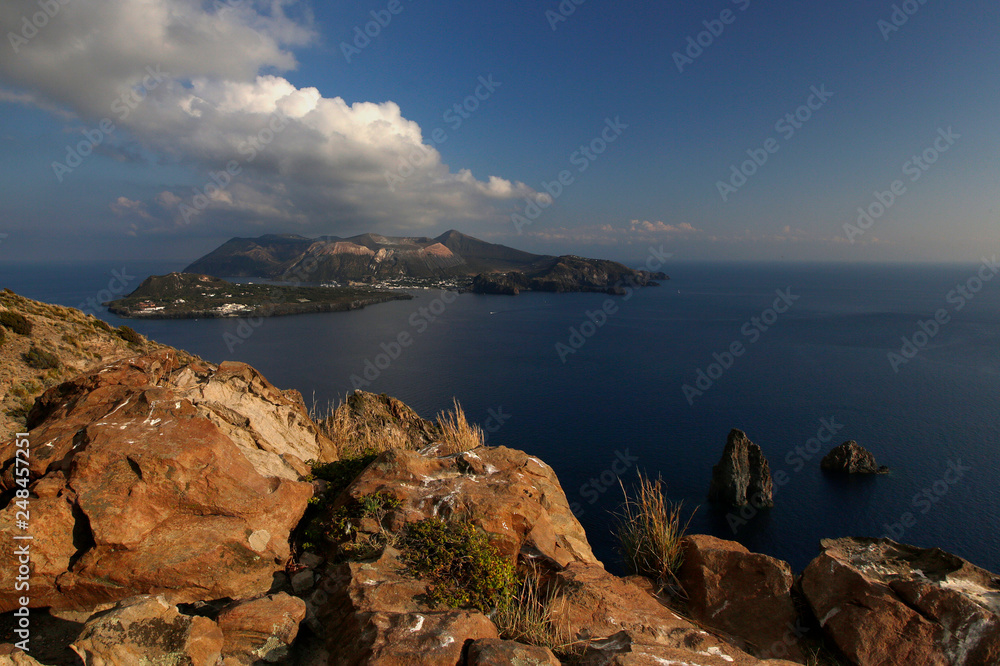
745,595
142,494
742,476
885,603
148,630
261,629
510,495
852,458
12,656
622,650
596,605
374,613
385,418
495,652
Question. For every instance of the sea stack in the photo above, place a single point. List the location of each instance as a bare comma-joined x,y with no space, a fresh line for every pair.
742,476
852,458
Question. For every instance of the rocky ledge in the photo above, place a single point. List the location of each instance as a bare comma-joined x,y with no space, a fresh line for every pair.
190,513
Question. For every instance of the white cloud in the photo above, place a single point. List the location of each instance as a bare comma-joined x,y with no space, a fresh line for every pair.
219,90
637,231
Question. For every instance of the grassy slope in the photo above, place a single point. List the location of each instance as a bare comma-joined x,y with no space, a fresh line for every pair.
78,341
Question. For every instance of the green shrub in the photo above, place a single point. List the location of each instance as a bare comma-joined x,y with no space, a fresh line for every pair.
3,336
649,532
128,335
102,325
40,359
344,524
340,473
17,323
465,569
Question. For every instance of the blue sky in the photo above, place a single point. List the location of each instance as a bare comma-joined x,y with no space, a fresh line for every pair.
229,71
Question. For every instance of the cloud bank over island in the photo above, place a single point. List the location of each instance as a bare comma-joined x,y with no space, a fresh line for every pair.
200,85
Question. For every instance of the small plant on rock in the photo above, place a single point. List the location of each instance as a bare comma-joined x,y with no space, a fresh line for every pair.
17,323
465,569
129,335
39,359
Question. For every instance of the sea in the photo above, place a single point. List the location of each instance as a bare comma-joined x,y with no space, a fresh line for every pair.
904,359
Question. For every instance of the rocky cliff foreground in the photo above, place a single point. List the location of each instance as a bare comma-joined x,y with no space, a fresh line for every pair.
183,512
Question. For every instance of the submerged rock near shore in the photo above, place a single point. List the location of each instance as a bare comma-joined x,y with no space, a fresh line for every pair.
742,476
852,458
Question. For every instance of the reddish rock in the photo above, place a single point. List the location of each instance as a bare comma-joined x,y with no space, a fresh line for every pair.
374,613
261,629
495,652
745,595
623,649
596,605
433,639
512,496
742,476
391,419
142,494
12,656
148,630
885,603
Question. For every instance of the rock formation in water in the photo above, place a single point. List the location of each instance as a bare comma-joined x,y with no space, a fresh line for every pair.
852,458
742,476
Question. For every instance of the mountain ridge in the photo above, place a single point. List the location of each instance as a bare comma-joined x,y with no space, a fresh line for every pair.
370,257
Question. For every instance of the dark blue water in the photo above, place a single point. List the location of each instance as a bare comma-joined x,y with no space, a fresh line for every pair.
618,401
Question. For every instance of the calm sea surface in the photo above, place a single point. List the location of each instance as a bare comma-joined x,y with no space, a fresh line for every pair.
617,403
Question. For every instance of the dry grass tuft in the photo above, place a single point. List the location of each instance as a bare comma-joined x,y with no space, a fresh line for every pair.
649,532
530,618
358,430
457,434
355,435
